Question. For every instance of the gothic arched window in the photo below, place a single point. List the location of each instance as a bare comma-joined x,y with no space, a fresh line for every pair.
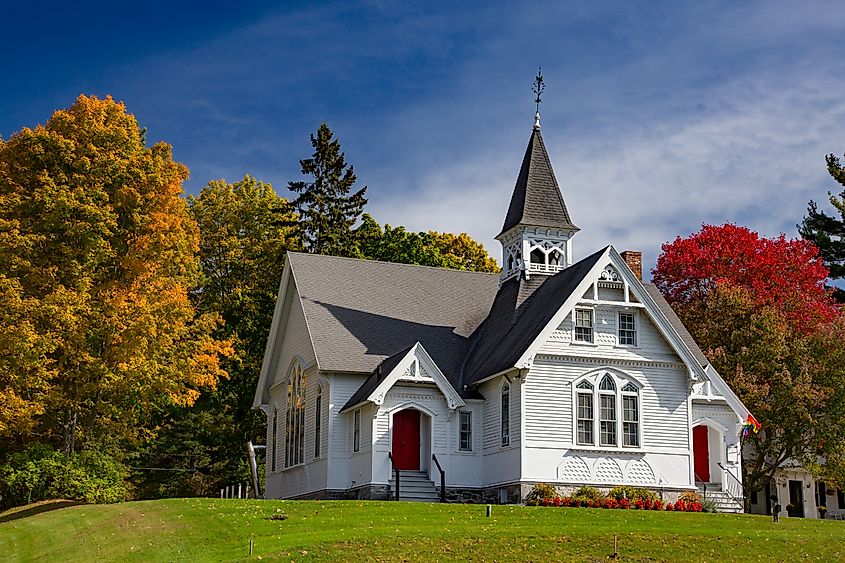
618,403
506,413
295,416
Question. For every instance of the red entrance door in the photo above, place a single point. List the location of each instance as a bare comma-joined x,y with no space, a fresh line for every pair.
701,454
406,439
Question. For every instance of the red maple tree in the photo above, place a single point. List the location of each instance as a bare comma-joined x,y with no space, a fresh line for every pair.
785,273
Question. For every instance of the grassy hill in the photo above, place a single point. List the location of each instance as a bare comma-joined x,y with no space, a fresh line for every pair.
214,530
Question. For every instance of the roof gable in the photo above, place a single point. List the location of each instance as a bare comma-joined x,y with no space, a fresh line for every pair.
536,198
414,365
507,333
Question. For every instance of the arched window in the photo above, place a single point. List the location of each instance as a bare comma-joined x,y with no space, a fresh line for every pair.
506,414
585,413
295,417
538,257
618,403
273,438
318,422
607,414
554,257
630,415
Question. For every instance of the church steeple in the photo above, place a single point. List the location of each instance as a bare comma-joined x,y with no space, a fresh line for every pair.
537,233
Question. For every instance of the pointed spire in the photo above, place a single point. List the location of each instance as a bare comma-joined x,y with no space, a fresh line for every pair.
536,198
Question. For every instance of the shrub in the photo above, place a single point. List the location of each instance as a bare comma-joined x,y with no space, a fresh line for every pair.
632,493
540,492
41,473
690,496
588,493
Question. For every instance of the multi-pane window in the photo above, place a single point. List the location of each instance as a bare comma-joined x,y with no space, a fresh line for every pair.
630,415
506,414
295,417
627,329
584,325
465,431
618,404
318,422
273,438
585,413
607,414
356,431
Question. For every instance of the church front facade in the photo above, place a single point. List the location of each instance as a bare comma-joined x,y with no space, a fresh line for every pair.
556,371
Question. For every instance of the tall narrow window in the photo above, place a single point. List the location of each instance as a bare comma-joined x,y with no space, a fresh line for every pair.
585,413
356,431
584,325
627,329
465,431
506,414
607,414
273,446
630,415
295,416
318,422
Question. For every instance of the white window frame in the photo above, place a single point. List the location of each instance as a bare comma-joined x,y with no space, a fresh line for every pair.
634,330
318,423
620,380
591,395
356,431
608,426
575,326
462,433
273,450
505,413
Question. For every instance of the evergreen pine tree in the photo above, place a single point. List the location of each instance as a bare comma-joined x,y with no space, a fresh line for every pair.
326,209
827,231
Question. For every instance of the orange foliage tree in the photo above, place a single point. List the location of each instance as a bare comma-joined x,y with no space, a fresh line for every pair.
98,255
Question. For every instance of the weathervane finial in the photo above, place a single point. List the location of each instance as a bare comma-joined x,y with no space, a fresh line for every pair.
538,89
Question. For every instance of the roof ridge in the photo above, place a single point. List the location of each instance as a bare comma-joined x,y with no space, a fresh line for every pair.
401,264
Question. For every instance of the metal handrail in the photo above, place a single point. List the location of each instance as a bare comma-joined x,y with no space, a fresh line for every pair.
395,473
703,483
741,498
442,479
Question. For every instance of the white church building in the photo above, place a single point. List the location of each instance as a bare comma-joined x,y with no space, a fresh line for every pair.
554,371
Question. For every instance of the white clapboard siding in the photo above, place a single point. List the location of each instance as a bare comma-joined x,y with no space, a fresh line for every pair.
492,425
293,341
549,408
650,343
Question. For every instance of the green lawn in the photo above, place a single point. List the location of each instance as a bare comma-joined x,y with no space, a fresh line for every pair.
215,530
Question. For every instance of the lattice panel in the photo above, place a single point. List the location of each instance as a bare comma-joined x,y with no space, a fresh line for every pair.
639,471
575,470
608,471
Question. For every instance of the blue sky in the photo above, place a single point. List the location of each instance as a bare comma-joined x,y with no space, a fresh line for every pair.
658,116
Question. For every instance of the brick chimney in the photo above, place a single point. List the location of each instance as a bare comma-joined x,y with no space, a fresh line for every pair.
634,259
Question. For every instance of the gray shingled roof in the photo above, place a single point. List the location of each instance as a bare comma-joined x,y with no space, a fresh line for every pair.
676,323
378,375
536,198
508,332
360,312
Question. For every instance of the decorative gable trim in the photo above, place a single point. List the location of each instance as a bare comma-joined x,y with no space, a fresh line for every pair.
262,387
633,286
416,366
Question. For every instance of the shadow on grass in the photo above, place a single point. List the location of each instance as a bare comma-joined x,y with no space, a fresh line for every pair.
32,510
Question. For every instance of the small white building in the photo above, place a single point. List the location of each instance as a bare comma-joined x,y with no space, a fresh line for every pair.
554,371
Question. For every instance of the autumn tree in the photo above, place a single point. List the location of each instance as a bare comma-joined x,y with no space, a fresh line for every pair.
445,250
785,273
759,309
326,206
98,245
242,253
827,231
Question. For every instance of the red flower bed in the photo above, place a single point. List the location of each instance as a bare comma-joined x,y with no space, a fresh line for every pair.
623,504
